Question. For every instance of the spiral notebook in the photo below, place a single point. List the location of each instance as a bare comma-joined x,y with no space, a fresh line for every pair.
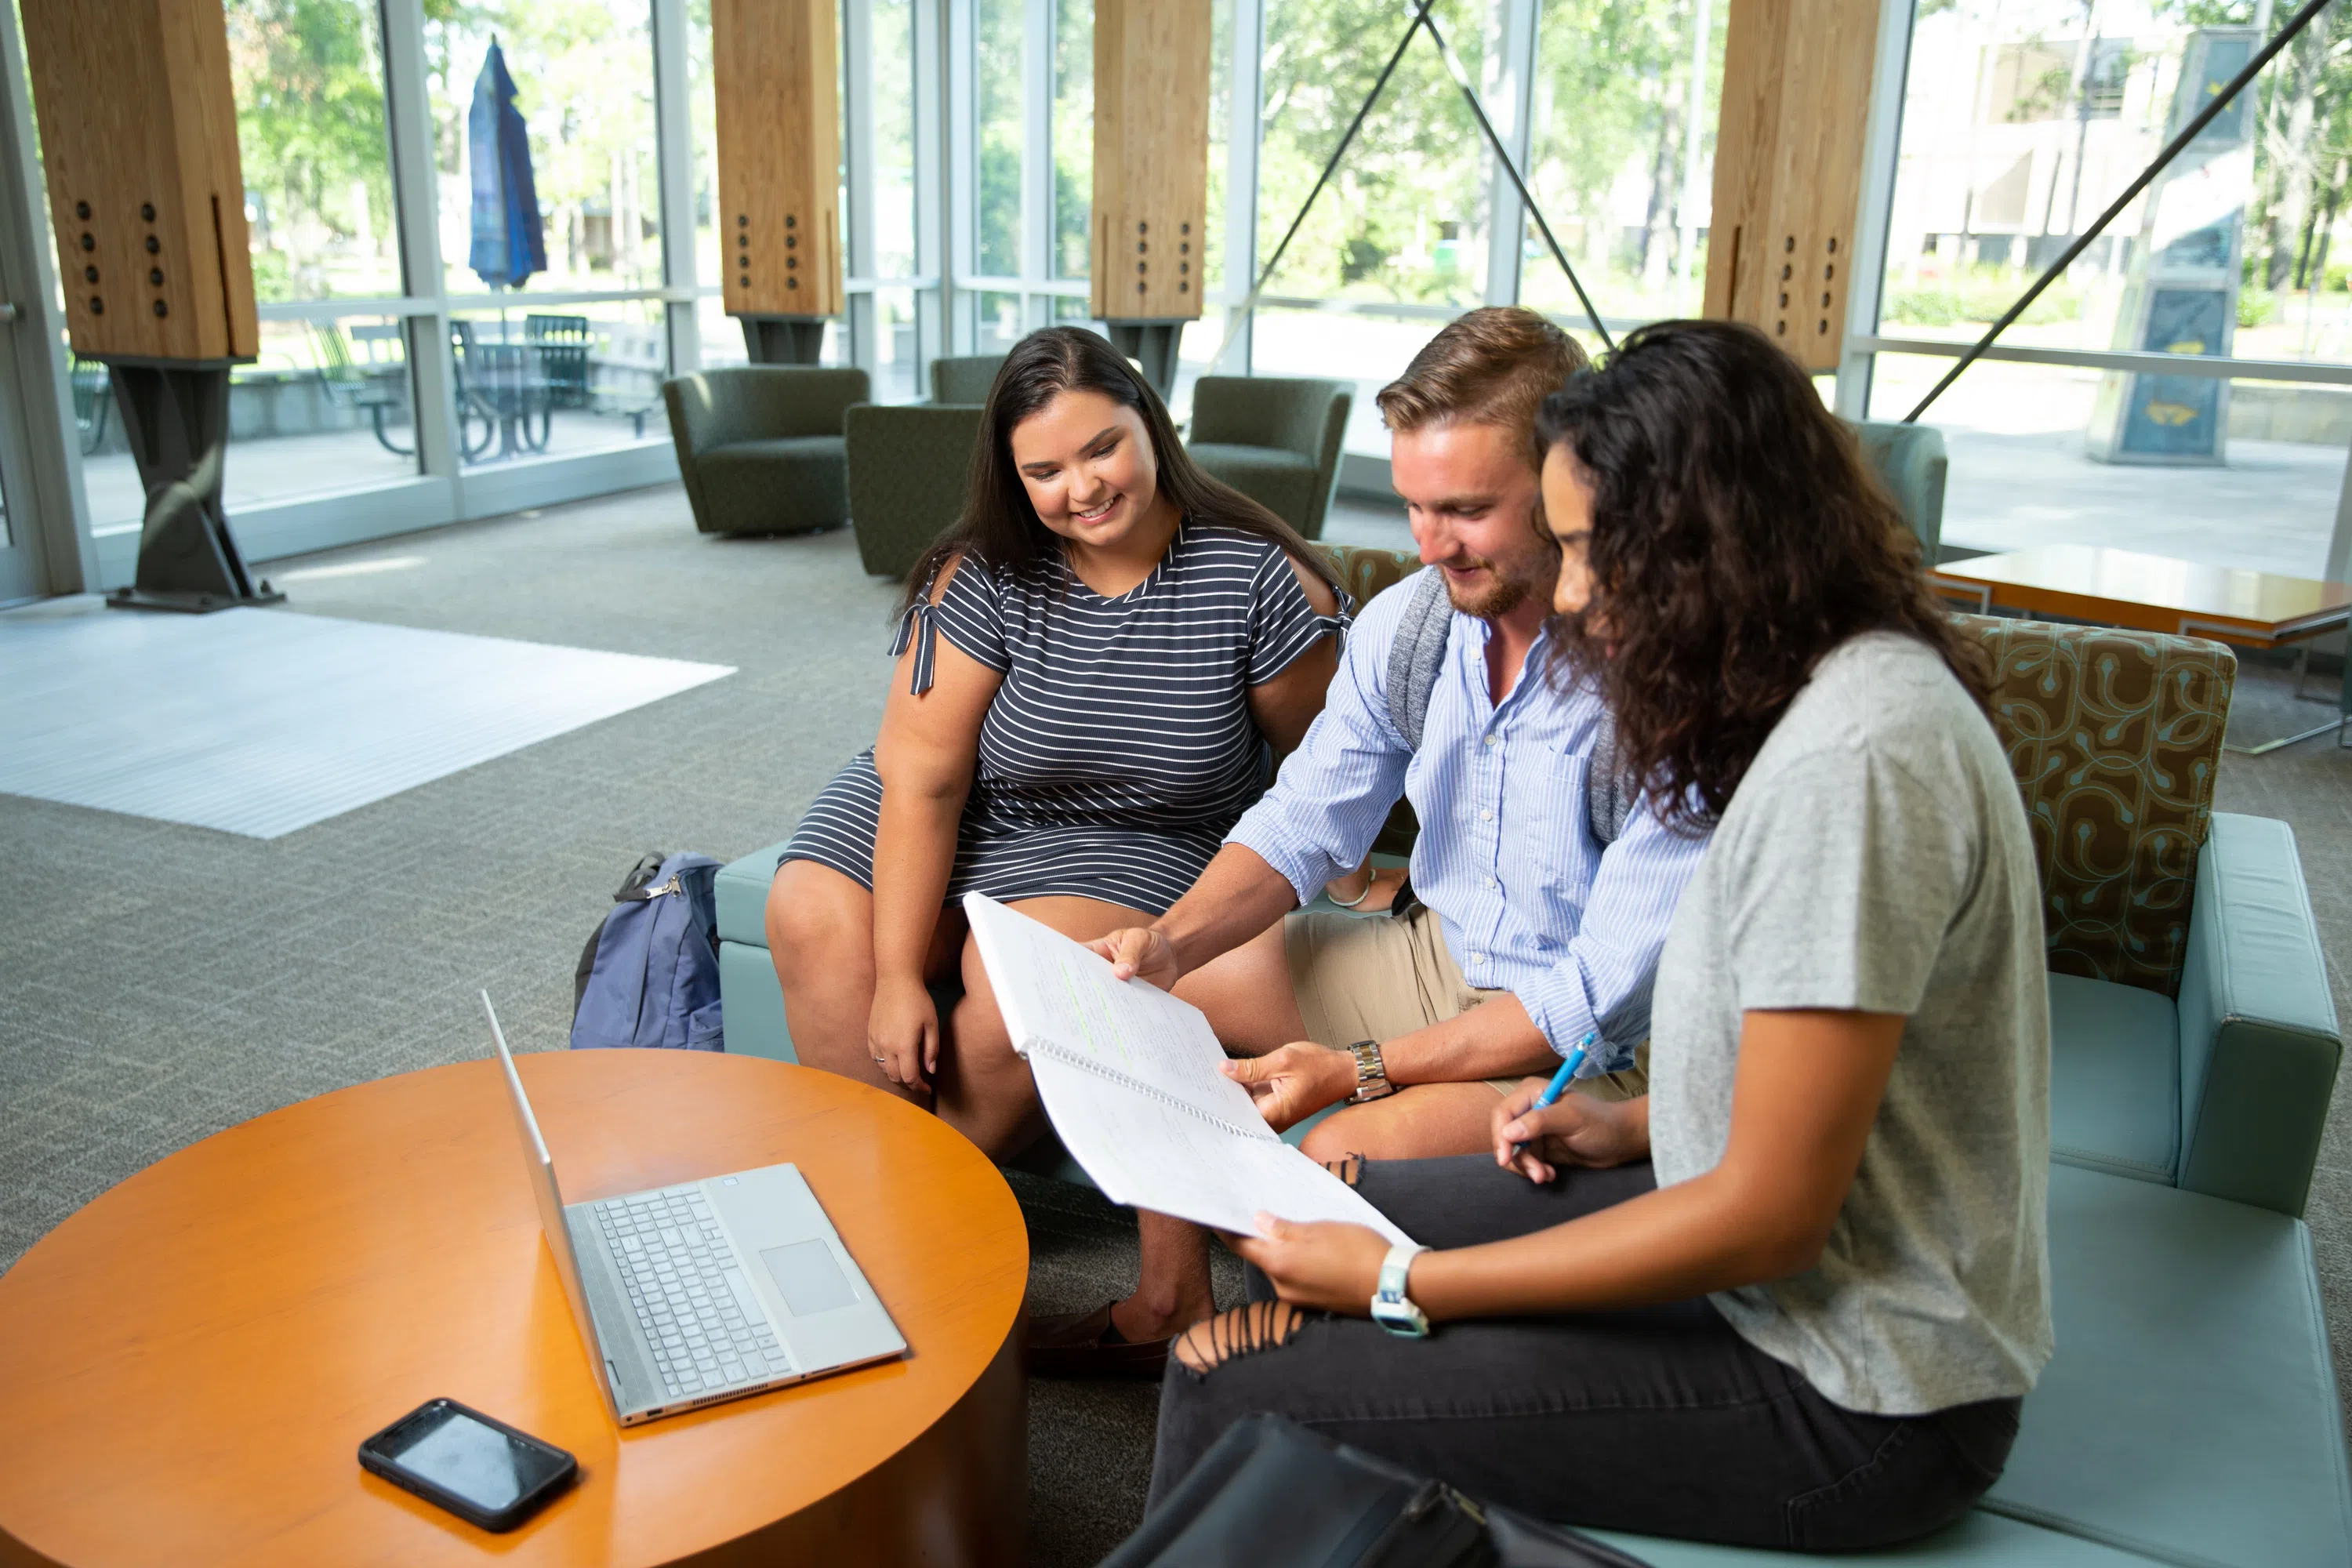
1130,1077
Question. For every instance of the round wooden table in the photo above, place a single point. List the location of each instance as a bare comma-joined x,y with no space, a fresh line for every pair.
187,1366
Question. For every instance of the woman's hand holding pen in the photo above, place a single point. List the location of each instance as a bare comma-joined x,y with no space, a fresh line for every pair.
1575,1130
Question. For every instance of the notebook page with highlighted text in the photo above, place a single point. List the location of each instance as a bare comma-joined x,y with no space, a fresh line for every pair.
1130,1077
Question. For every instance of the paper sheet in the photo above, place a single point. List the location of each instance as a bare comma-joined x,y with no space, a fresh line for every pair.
1051,988
1149,1154
1130,1077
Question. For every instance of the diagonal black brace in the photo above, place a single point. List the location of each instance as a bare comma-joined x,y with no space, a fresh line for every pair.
1503,156
2172,148
1346,140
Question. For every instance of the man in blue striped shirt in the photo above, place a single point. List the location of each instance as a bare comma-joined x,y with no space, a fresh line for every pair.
1531,937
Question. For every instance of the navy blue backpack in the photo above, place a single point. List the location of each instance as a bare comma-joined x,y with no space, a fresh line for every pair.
650,975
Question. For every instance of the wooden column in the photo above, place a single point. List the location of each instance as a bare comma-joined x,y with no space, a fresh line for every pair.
137,121
1152,173
146,195
776,74
1788,169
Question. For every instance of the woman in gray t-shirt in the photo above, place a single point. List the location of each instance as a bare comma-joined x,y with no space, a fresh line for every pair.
1794,1297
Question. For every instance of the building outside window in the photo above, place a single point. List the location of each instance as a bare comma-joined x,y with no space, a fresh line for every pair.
2020,124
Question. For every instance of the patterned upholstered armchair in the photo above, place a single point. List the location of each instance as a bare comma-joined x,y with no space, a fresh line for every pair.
2194,1039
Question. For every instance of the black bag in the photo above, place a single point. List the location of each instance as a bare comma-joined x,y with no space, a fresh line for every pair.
1272,1494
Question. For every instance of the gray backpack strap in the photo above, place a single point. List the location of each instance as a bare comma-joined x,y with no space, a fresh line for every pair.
1414,660
1607,801
1418,653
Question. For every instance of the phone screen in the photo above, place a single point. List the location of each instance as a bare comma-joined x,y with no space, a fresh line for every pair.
484,1465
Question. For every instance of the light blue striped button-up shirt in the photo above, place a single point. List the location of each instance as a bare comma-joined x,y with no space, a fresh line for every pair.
1531,901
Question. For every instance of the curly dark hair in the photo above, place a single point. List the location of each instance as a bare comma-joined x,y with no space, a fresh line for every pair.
1736,538
1002,528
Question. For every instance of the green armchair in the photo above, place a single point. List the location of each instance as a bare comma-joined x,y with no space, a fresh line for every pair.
964,379
760,447
1909,461
909,469
1274,438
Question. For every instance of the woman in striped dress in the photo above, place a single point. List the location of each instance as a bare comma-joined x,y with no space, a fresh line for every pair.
1092,664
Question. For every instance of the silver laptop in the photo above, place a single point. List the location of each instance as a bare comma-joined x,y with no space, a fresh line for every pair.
705,1290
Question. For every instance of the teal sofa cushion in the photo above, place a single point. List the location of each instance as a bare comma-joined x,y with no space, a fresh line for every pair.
752,1004
2190,1412
1979,1541
2188,1416
2258,1039
741,893
2115,1078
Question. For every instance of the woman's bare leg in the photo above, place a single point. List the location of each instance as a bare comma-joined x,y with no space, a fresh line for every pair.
821,939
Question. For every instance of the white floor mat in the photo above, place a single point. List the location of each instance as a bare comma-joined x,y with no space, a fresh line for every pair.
262,722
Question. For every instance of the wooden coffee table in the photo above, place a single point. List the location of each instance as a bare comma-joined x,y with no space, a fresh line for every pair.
188,1364
2157,594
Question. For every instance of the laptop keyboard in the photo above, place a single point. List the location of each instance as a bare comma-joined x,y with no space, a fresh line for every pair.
702,1323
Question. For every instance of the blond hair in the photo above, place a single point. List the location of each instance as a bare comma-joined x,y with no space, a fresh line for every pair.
1492,366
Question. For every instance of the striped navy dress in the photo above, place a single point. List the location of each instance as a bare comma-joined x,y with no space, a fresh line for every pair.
1121,748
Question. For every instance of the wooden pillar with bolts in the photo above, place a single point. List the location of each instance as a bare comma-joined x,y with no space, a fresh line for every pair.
1788,169
775,77
1151,175
137,121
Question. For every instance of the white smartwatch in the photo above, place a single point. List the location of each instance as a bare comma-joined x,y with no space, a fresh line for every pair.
1391,1307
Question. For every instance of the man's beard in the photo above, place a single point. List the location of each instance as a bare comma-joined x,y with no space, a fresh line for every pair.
1497,599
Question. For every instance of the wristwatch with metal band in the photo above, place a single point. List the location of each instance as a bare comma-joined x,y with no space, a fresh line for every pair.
1371,1074
1391,1307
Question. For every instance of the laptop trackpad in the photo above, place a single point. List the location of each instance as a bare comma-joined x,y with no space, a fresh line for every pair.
809,1278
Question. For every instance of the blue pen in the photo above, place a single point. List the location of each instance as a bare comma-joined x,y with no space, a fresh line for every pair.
1559,1080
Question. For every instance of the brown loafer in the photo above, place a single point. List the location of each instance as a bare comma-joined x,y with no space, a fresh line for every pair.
1088,1344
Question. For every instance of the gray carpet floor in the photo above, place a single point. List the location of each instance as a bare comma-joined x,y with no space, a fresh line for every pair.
161,982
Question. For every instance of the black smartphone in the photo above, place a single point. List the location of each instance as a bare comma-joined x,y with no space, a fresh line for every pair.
481,1469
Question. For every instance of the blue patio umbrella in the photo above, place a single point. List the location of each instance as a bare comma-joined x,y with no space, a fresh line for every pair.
509,245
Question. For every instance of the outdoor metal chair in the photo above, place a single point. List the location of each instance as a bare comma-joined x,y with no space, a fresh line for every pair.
560,344
374,390
93,396
472,406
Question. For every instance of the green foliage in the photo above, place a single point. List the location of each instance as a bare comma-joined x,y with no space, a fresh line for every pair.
2256,307
1978,295
311,134
1415,165
997,87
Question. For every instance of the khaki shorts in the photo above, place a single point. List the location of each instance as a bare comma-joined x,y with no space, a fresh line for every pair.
1371,977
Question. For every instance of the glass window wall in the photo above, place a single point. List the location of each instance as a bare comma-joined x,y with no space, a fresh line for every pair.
583,75
1623,154
309,79
2020,123
1397,241
558,381
995,148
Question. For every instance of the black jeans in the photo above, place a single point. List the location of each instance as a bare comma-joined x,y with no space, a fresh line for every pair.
1661,1420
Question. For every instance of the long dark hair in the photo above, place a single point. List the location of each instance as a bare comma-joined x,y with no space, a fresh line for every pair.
1736,538
998,522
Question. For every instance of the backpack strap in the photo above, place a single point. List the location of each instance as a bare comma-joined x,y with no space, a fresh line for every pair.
1414,660
1607,802
1418,653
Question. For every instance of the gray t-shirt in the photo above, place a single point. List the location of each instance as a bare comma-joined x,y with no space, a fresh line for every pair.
1877,857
